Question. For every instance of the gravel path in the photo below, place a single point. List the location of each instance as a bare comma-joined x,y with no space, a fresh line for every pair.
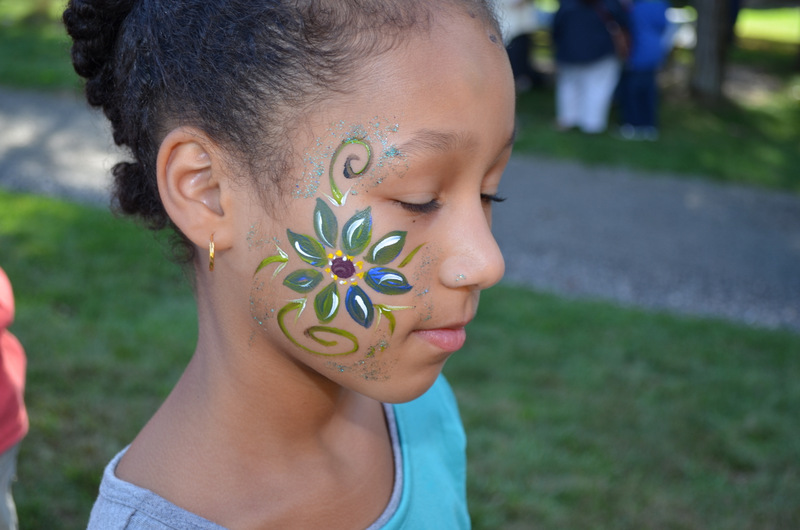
659,242
652,241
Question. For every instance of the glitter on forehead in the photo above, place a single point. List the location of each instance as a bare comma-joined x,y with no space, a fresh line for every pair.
315,162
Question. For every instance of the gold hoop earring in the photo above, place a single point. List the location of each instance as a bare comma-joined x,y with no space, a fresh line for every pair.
211,253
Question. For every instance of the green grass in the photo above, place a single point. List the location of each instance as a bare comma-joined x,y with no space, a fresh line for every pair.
37,57
107,324
34,46
579,414
756,145
770,24
31,11
584,415
753,140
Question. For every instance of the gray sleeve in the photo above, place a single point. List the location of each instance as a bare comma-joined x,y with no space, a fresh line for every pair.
121,505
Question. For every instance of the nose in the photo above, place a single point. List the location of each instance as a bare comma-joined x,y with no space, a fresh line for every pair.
472,257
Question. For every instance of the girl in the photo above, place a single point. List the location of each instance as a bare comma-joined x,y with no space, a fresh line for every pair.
329,167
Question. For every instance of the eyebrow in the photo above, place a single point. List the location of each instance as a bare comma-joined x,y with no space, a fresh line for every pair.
443,141
437,142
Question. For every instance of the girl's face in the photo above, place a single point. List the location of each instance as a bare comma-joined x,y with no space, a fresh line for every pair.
372,266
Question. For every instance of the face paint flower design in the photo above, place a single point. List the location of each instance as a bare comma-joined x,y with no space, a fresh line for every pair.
346,262
342,261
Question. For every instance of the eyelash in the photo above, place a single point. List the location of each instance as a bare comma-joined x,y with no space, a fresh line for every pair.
487,197
428,207
432,206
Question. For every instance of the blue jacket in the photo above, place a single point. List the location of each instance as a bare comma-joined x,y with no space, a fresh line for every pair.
579,32
648,25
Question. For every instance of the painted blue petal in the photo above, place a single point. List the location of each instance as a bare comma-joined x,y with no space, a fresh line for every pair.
387,281
359,306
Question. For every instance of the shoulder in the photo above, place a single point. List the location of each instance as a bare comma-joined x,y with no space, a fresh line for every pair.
433,447
121,505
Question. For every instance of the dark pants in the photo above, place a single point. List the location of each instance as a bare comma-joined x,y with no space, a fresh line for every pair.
638,94
519,54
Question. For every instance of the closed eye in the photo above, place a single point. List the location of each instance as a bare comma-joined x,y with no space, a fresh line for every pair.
489,198
421,208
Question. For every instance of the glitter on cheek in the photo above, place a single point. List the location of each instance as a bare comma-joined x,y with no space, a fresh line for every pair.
426,262
254,237
373,367
258,304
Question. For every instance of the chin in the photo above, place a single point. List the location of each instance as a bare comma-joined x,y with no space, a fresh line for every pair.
403,388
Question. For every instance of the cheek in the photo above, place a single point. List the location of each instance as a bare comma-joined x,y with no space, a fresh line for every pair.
332,284
336,288
422,272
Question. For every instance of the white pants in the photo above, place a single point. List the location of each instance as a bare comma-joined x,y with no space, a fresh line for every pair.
584,92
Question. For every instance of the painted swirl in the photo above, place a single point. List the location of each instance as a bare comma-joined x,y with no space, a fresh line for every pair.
348,171
313,334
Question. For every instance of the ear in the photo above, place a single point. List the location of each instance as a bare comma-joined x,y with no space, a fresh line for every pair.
191,177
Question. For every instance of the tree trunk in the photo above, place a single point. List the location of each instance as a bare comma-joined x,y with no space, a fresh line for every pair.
709,53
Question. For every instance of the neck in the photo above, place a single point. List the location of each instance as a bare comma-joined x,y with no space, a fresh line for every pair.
232,386
244,424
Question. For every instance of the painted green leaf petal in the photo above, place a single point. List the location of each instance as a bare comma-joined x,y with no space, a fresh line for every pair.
388,248
410,256
299,305
325,224
387,312
303,281
281,258
359,306
357,232
309,249
326,303
387,281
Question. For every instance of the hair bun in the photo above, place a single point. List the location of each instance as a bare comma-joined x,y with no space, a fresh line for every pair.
94,26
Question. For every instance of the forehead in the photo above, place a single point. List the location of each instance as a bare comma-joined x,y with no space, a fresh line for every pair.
450,85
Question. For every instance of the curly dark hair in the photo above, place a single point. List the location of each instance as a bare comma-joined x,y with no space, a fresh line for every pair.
239,70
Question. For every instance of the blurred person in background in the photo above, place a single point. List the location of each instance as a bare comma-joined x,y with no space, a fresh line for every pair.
520,19
638,89
13,416
590,39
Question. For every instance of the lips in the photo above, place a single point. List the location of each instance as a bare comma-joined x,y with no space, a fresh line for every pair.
447,339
